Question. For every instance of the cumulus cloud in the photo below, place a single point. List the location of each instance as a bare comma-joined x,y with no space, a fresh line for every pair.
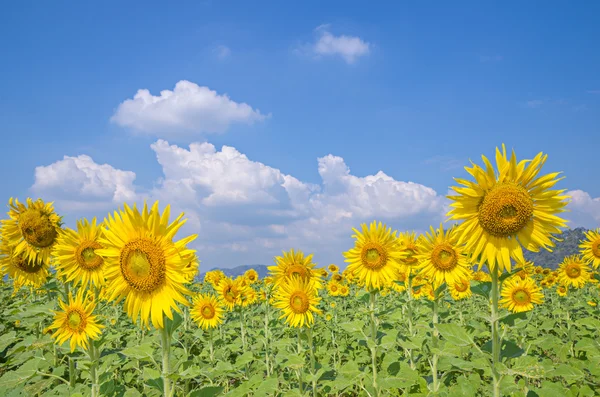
350,48
584,210
188,109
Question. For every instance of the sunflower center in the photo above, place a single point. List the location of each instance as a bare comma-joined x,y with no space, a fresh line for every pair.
444,257
37,228
521,297
299,302
596,248
573,271
562,289
334,288
461,286
86,257
143,265
28,265
374,256
208,311
75,320
505,210
298,271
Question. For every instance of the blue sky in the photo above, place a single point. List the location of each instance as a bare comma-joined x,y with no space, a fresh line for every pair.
411,90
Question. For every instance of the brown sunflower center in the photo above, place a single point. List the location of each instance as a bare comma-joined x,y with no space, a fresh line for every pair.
562,289
297,270
86,257
143,265
374,256
333,288
573,270
505,210
299,302
521,296
461,286
444,257
37,228
208,311
75,320
337,277
28,265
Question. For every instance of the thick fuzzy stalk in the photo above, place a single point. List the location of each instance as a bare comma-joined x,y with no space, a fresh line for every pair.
496,340
165,339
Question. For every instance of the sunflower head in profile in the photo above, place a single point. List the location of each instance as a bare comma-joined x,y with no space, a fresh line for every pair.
31,229
143,265
573,272
25,271
507,209
192,268
75,254
76,321
251,276
206,311
298,299
333,268
590,248
295,264
562,290
376,256
520,295
441,258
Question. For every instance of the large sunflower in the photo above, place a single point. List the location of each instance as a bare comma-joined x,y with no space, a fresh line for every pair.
509,209
375,258
298,299
573,272
294,264
32,229
24,271
143,264
206,311
590,248
75,254
76,321
441,258
520,295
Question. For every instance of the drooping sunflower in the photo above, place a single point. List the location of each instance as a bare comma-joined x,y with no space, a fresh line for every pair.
562,290
295,264
505,211
24,272
143,264
573,271
590,248
409,243
441,258
32,228
206,311
75,254
251,275
298,299
76,321
520,295
375,258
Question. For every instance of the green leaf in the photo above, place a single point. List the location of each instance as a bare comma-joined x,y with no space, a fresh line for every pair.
570,374
208,391
141,352
510,319
172,325
509,349
244,359
455,334
153,379
482,288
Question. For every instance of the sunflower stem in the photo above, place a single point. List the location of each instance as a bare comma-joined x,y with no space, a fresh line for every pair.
299,370
165,339
496,341
267,338
434,342
72,374
374,336
243,326
313,364
211,345
94,363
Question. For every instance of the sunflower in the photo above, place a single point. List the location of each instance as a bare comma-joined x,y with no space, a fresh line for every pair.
214,277
460,289
562,290
418,291
32,229
298,299
375,258
75,254
333,268
338,278
251,275
398,288
590,248
191,268
295,264
143,264
328,317
520,295
206,311
509,210
76,321
248,296
409,243
344,290
230,292
573,272
24,272
592,303
333,288
441,258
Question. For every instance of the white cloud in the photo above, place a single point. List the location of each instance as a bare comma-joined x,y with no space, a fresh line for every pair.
350,48
187,110
584,210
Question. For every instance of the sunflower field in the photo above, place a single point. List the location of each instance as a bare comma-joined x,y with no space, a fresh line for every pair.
113,308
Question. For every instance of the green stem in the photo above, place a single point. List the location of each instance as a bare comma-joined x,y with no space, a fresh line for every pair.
165,340
496,342
374,336
211,346
313,364
299,371
435,338
93,374
72,374
243,325
267,338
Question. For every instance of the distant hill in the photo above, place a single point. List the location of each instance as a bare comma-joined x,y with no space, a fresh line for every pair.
569,245
238,271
